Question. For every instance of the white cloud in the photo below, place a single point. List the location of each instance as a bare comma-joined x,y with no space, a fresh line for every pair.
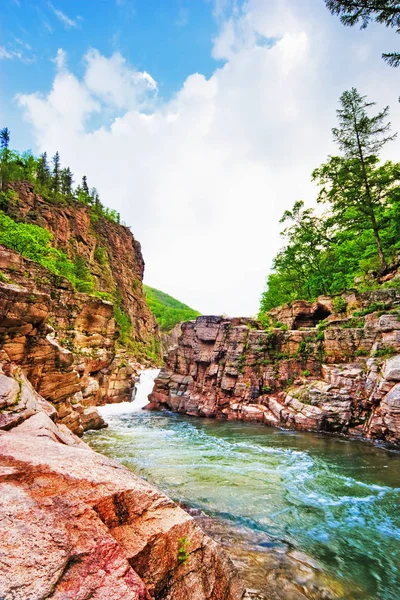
114,82
204,177
65,20
9,54
5,53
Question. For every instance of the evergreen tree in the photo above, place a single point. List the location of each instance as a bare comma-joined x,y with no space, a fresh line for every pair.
56,173
4,144
85,187
43,171
349,182
66,182
386,12
4,138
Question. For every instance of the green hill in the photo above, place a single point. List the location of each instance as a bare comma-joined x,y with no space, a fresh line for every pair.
167,310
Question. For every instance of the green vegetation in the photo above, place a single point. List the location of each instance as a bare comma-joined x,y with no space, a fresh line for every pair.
386,12
54,183
34,242
385,352
183,550
357,238
167,310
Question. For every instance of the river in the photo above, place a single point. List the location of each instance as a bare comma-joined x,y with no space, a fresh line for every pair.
302,515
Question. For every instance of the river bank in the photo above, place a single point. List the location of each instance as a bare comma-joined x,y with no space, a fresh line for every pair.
302,515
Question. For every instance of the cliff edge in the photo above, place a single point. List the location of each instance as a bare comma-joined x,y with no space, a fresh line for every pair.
315,368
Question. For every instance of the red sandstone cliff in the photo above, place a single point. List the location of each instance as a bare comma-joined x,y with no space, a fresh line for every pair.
63,341
343,377
110,250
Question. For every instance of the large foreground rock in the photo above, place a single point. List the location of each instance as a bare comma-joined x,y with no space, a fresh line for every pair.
75,525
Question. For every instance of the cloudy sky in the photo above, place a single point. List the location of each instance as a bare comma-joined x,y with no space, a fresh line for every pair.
199,120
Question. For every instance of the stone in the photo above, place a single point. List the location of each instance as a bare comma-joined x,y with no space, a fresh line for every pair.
224,368
392,369
75,524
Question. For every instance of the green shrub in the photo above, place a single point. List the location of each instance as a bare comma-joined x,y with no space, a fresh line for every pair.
35,243
306,373
385,352
125,325
101,255
339,304
264,320
352,324
361,352
266,389
103,296
374,307
183,550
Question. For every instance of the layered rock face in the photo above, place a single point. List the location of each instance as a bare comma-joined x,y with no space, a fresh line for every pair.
111,252
315,370
76,525
63,341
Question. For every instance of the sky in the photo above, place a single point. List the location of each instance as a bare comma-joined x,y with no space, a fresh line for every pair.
200,121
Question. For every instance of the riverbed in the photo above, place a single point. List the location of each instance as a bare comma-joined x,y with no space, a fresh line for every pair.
302,515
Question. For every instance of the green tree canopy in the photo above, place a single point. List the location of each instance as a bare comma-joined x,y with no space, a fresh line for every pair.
359,231
352,12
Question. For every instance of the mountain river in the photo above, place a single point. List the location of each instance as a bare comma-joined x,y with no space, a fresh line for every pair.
302,515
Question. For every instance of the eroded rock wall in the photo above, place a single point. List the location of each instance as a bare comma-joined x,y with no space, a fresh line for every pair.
110,250
343,376
63,341
75,524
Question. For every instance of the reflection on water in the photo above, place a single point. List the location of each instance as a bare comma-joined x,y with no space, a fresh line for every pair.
295,509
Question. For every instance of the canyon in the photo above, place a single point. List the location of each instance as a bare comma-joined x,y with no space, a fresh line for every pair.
315,368
75,524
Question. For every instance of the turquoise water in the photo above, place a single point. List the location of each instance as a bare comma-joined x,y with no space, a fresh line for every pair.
335,500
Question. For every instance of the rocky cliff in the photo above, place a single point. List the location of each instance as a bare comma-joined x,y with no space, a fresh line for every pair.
76,525
63,341
109,250
315,368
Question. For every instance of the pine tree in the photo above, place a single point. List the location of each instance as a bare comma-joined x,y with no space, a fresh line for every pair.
4,144
56,173
85,187
5,138
66,182
42,170
386,12
352,183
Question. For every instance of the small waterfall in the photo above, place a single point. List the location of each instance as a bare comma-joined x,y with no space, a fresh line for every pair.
143,388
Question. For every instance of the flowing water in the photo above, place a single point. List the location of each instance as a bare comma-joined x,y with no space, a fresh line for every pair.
303,515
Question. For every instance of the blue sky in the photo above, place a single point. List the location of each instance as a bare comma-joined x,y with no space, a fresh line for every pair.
170,39
200,121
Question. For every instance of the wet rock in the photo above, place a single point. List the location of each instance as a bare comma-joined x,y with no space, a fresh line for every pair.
74,524
298,379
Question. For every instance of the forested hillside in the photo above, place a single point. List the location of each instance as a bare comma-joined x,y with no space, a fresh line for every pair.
167,310
352,239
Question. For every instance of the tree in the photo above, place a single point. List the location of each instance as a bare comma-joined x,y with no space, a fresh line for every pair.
386,12
5,138
43,171
85,186
349,182
56,173
4,143
66,182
